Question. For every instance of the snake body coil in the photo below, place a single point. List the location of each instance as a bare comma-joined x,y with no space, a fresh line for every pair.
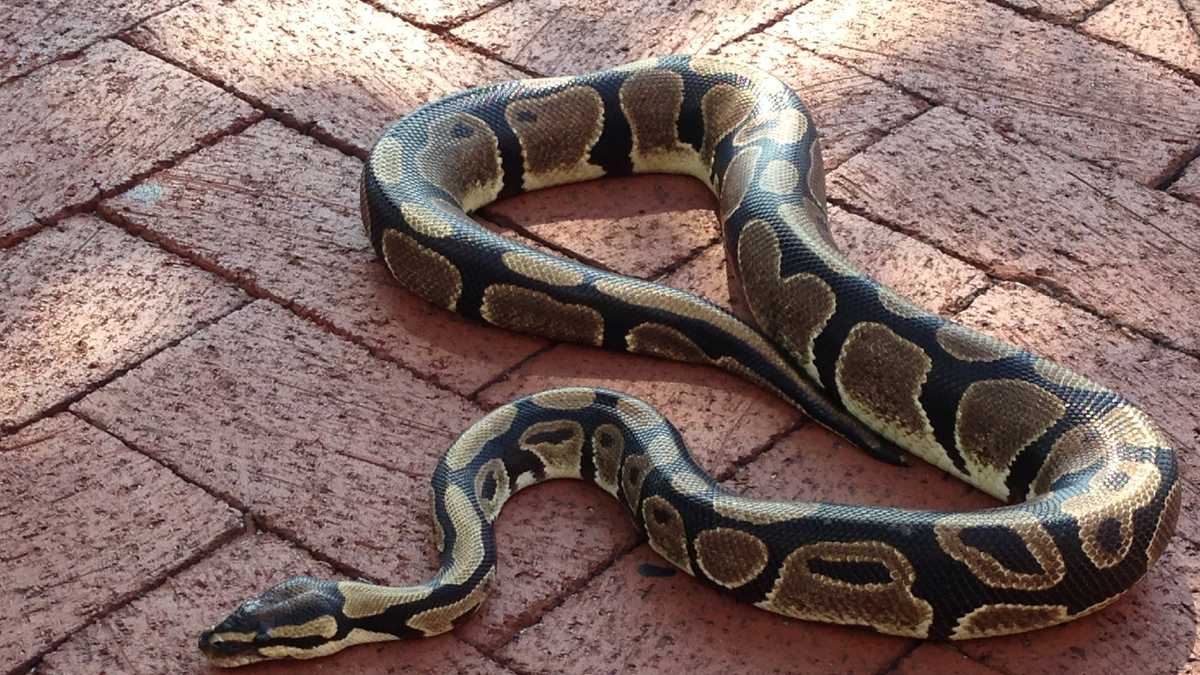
1091,482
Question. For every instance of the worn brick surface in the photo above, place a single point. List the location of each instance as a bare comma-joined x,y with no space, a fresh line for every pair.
630,621
936,658
1030,213
1163,381
87,523
101,120
1058,11
320,440
439,13
156,633
1187,186
567,37
1158,28
852,110
1045,82
280,212
35,33
657,221
346,66
84,300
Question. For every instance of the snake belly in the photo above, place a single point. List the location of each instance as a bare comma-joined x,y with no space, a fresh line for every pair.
1091,484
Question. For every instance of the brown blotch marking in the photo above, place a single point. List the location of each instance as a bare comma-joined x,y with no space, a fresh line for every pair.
656,339
1077,449
723,107
363,600
561,458
467,553
664,529
462,156
731,558
608,446
782,126
495,470
991,571
422,270
796,309
633,475
1113,494
965,344
1006,619
880,376
761,512
530,311
996,419
557,132
811,225
655,126
441,619
737,179
477,435
542,268
804,594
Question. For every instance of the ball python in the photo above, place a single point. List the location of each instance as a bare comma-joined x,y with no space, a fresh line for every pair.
1091,484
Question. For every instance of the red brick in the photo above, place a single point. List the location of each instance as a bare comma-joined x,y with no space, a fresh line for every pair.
102,119
627,621
935,658
658,220
1187,186
36,33
1029,213
852,110
157,632
87,524
438,13
321,441
1047,83
1151,27
568,37
280,212
85,300
342,64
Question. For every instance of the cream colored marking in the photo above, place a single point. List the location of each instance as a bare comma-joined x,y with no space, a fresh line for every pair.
738,176
426,221
781,177
731,558
544,85
608,446
986,567
816,174
234,636
468,445
561,459
782,126
441,619
688,483
462,157
363,600
439,535
761,512
529,311
1065,377
665,532
637,415
387,161
1115,493
764,84
421,269
1006,619
997,419
899,305
494,469
557,132
543,268
322,626
468,536
972,346
576,398
524,480
356,636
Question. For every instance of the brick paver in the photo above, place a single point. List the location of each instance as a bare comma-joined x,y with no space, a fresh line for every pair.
1187,185
438,13
35,33
1045,82
336,448
161,627
84,300
341,64
100,121
935,658
1027,212
1158,28
87,523
1058,11
279,212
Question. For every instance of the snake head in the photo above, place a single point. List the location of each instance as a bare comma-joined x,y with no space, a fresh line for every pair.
293,619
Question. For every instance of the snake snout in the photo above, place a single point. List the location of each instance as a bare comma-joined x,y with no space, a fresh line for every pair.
282,612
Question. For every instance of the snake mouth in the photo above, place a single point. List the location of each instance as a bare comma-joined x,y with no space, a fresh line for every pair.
229,649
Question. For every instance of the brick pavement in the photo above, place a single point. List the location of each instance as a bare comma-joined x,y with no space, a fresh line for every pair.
213,384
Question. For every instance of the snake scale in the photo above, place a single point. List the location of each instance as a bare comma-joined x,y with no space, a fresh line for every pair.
1091,484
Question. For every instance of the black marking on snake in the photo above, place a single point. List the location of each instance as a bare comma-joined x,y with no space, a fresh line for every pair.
612,150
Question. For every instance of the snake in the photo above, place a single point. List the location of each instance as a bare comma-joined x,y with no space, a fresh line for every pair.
1088,485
